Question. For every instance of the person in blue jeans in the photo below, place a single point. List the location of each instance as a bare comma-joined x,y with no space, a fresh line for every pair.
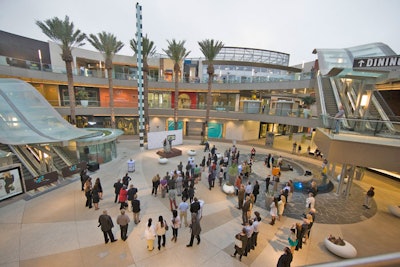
338,118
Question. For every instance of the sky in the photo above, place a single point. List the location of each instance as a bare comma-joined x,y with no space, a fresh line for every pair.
295,27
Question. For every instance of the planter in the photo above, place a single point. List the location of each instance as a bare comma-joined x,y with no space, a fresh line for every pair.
191,152
347,251
228,189
163,160
395,210
306,113
84,103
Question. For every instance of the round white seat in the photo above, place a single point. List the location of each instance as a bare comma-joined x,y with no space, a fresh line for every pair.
395,210
191,152
162,160
347,251
228,189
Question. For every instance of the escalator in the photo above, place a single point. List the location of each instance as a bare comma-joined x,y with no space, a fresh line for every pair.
27,174
329,97
373,119
69,158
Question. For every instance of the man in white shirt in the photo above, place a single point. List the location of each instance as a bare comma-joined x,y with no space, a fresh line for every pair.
183,207
338,119
249,189
310,201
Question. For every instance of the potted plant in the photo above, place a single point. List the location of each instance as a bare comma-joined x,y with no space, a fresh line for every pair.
83,96
303,138
307,102
233,172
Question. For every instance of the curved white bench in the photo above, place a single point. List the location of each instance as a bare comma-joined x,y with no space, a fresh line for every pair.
395,210
347,251
228,189
191,152
162,160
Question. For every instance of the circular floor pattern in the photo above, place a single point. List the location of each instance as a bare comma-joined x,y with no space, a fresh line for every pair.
331,208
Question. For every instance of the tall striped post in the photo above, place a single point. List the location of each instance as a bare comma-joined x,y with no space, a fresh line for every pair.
140,74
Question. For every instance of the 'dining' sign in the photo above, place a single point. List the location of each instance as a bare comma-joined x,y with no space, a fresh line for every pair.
388,62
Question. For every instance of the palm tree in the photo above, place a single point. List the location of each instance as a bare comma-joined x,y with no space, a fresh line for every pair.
177,52
62,32
210,50
148,50
308,101
108,45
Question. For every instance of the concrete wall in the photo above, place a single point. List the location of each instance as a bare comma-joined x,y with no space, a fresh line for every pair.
155,139
242,130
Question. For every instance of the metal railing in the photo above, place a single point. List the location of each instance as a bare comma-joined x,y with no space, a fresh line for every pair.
365,126
282,112
101,73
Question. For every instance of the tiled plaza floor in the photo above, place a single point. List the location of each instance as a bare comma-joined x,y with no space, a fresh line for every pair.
55,228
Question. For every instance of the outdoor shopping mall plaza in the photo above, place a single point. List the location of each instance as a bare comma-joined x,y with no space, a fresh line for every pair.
54,228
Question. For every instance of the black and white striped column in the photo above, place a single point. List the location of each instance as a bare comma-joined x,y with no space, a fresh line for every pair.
140,74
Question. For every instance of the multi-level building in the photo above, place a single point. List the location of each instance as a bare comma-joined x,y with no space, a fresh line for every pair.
255,93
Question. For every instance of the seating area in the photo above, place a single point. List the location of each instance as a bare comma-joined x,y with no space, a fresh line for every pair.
228,189
347,251
163,160
191,152
395,210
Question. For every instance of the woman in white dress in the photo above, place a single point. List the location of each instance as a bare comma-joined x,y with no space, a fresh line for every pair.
150,234
273,210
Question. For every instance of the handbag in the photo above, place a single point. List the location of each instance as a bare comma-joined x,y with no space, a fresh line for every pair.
238,243
166,226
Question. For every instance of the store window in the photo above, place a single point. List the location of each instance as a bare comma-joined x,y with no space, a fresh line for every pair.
159,100
92,93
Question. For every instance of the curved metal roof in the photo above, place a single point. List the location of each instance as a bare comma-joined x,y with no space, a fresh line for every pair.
27,118
241,54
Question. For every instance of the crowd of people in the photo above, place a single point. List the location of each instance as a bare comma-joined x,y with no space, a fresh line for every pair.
179,187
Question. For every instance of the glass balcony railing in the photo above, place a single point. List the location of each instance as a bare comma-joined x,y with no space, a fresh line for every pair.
101,73
364,126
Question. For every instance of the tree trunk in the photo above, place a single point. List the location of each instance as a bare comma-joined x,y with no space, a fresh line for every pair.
205,133
176,70
71,91
111,92
145,101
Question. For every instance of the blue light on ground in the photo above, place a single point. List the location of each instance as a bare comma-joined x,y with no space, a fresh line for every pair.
298,185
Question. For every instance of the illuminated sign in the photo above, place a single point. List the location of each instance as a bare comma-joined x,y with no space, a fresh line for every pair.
377,62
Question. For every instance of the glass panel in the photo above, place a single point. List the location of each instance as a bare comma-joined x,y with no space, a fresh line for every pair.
28,118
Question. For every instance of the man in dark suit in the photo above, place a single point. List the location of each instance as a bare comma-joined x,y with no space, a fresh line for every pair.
106,224
117,186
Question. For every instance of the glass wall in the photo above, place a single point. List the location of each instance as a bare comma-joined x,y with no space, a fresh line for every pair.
125,72
93,95
99,153
159,100
219,101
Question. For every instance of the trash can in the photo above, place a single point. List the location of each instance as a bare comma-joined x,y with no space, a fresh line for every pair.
93,166
131,165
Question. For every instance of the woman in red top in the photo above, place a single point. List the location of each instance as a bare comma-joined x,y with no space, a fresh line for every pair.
123,197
